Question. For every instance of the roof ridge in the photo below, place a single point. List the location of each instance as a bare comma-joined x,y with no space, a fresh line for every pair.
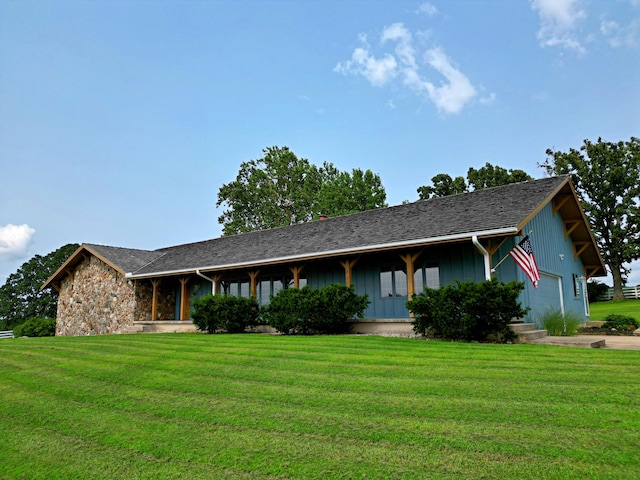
150,262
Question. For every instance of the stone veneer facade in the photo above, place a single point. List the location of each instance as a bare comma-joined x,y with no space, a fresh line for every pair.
97,299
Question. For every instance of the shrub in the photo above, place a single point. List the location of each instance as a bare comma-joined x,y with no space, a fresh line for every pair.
307,311
36,327
212,313
468,310
620,322
559,325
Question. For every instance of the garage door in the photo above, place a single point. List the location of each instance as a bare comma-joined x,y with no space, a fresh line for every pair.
549,294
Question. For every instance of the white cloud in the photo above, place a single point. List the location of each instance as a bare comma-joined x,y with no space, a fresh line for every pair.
15,240
559,20
621,36
427,8
377,71
488,100
453,96
449,97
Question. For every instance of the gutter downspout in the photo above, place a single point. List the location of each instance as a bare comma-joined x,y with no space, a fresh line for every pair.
213,283
485,254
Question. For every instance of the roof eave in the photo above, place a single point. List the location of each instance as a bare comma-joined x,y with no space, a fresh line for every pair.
332,253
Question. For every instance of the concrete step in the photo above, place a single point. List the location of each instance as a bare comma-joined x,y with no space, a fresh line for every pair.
530,335
585,341
522,327
132,329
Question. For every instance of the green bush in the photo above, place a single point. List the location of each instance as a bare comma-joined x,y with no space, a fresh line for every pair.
36,327
306,311
620,322
213,313
559,325
468,310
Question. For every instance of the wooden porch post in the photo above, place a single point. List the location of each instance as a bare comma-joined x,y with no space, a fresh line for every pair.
296,270
185,305
216,281
254,282
154,299
348,270
409,260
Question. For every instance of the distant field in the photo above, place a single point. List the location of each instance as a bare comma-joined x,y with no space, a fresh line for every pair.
193,406
599,310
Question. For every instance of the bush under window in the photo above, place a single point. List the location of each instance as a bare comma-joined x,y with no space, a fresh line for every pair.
228,313
468,310
306,311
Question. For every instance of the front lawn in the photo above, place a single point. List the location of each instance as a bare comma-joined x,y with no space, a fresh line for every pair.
630,308
194,406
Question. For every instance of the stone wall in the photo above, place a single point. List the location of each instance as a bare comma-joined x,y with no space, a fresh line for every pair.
95,299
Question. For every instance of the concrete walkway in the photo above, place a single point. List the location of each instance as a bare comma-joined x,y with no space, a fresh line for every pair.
612,342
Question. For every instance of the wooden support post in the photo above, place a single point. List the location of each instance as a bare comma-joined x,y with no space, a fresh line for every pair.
348,270
254,282
409,260
185,299
216,282
296,270
154,299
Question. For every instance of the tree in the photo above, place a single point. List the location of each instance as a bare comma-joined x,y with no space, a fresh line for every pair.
21,297
443,186
490,176
281,189
343,193
485,177
607,179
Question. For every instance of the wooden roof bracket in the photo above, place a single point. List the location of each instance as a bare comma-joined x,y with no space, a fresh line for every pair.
570,226
579,247
559,201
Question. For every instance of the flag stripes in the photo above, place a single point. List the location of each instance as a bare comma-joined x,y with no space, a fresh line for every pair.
522,254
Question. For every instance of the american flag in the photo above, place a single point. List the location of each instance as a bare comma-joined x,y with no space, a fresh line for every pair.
523,256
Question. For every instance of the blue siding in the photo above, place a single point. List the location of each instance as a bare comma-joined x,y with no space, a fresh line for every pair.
554,255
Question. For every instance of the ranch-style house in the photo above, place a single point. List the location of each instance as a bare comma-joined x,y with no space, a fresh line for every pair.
388,253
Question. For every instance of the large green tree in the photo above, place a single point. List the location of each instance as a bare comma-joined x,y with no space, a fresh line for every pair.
488,176
21,297
343,193
607,178
282,189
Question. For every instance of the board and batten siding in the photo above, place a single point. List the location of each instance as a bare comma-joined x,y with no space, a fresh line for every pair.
554,256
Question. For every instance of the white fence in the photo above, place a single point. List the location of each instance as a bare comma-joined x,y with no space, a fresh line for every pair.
629,293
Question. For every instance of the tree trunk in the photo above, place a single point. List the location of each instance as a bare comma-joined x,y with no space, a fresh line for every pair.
618,294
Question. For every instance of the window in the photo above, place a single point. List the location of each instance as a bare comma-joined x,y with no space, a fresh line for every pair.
393,282
264,293
386,282
429,276
576,285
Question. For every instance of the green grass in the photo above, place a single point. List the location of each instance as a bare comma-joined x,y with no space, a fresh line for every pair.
599,310
192,406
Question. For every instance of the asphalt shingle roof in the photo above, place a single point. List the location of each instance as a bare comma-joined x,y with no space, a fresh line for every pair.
506,207
127,259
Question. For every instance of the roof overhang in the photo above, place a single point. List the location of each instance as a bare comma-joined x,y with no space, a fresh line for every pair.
335,253
82,253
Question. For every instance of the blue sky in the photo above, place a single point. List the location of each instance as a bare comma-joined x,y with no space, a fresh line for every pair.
120,120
